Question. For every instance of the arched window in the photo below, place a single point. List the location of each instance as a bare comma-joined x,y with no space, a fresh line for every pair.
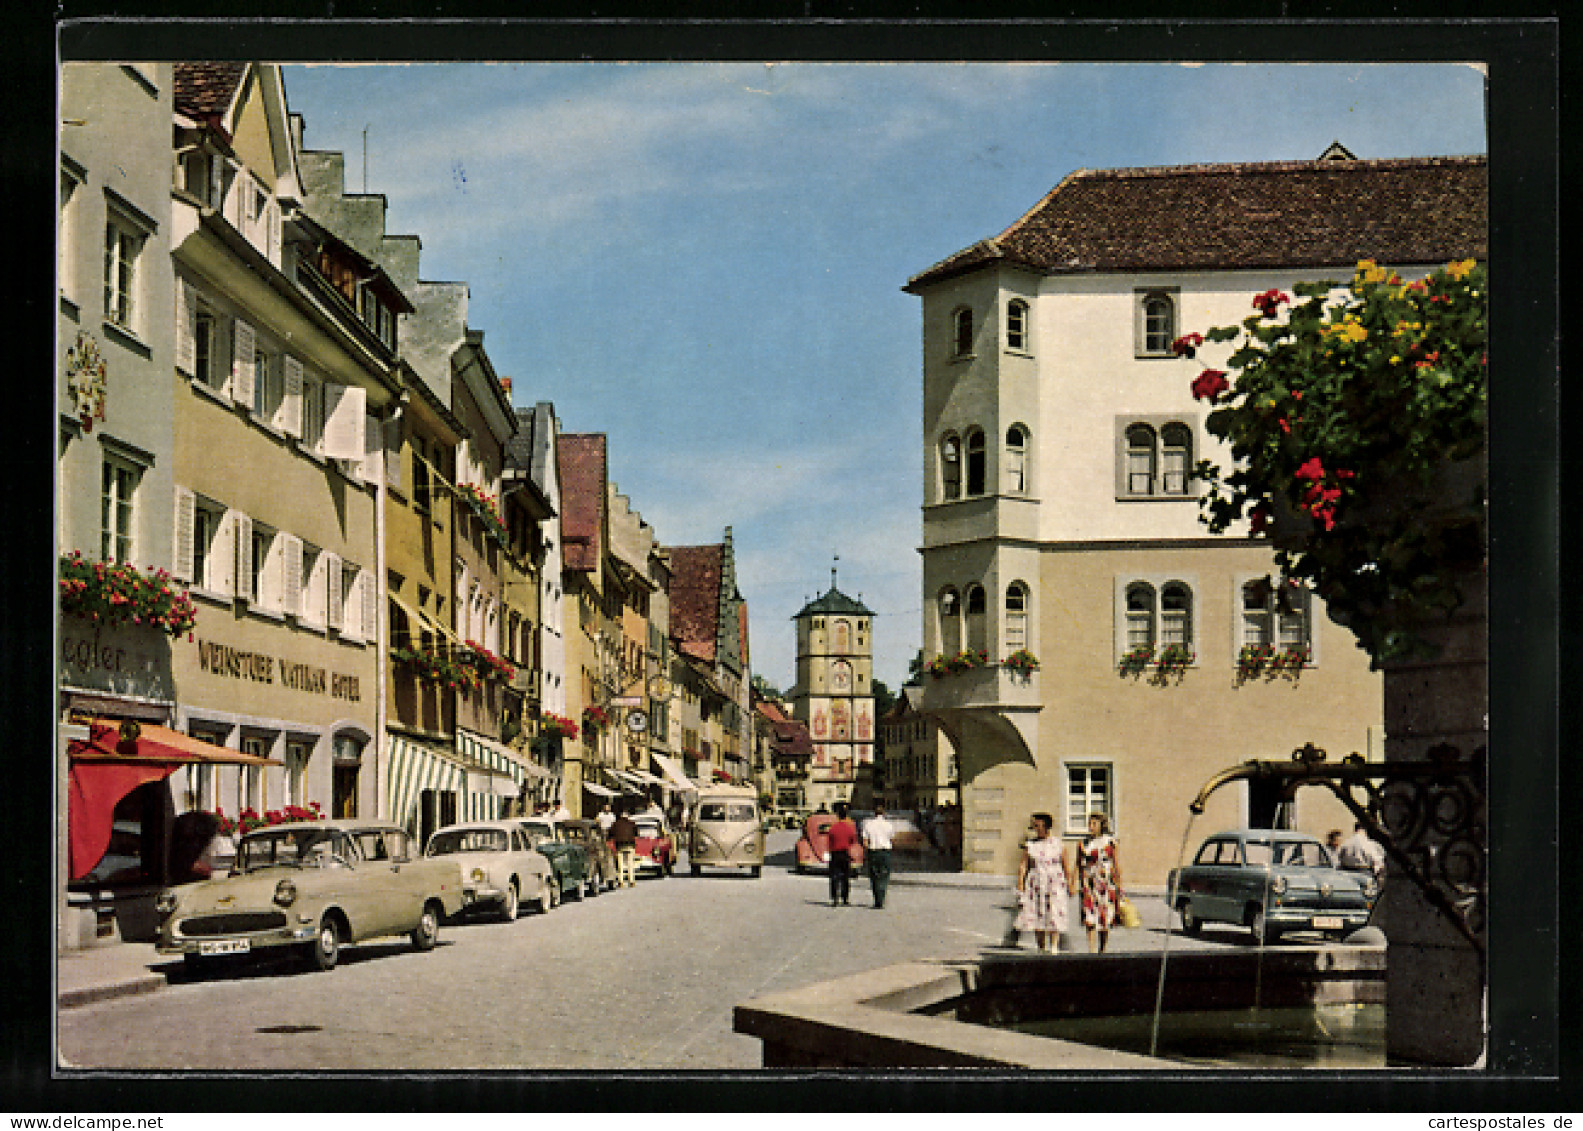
1017,325
1176,444
977,634
1016,616
1016,460
950,468
1140,460
962,332
975,462
841,676
1159,323
1140,615
1176,614
950,622
1277,614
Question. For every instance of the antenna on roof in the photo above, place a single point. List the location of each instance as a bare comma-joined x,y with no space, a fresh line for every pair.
365,160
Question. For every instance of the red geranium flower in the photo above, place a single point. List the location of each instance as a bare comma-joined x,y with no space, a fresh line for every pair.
1210,384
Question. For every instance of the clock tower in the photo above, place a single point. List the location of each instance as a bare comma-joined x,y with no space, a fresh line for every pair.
834,693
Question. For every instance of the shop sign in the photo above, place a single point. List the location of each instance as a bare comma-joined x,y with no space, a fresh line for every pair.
124,659
261,667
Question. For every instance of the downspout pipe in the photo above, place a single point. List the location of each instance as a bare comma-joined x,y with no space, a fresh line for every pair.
382,619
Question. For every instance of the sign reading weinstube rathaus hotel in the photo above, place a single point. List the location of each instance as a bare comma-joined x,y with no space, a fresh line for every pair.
222,659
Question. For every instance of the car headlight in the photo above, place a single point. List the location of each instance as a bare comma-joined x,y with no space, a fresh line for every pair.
285,893
1278,885
478,875
165,902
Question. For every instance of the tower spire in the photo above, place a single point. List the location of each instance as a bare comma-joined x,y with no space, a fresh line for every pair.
832,574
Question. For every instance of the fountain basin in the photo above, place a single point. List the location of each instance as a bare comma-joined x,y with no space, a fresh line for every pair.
1074,1012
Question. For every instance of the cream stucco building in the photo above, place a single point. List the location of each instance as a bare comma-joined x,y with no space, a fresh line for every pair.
1060,518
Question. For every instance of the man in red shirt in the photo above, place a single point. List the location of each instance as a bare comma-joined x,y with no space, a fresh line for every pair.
843,835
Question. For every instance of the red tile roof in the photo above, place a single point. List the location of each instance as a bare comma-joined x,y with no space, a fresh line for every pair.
695,598
582,476
771,710
205,90
1247,215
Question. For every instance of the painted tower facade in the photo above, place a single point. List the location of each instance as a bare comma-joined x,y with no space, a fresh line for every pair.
834,694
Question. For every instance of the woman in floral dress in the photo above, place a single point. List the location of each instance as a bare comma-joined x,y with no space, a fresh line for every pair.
1100,865
1043,881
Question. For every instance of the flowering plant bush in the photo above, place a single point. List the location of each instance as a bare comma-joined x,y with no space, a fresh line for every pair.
487,508
114,594
965,660
1022,661
250,819
433,666
554,724
489,665
1256,659
1135,661
1174,658
1339,419
595,719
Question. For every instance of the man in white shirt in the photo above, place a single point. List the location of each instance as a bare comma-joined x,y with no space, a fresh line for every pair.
877,833
605,819
1358,853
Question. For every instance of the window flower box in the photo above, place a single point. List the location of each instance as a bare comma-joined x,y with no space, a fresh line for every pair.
595,720
489,665
1022,662
487,510
557,725
250,819
112,593
1136,661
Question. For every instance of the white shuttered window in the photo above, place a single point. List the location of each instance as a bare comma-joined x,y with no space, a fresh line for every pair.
333,604
243,345
345,410
291,574
182,552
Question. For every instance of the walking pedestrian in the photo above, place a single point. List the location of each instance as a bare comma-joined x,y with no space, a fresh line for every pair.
843,835
561,812
1043,881
1358,853
1100,865
624,836
605,819
877,832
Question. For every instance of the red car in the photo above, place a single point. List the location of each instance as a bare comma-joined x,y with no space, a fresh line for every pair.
655,847
813,849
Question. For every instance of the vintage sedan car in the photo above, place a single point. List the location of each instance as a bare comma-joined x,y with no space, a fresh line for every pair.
602,871
1272,882
568,860
500,867
313,886
813,847
655,847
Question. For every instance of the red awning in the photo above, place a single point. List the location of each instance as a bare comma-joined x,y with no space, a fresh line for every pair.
105,768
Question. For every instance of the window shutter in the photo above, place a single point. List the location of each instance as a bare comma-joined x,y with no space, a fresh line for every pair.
186,328
291,400
393,453
345,407
332,591
216,180
290,574
273,212
272,585
222,558
233,198
370,607
185,519
243,534
373,449
313,599
243,343
352,603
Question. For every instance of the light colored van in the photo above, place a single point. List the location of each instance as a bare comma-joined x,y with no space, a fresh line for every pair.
728,831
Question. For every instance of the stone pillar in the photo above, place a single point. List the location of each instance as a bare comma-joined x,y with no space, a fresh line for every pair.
1436,985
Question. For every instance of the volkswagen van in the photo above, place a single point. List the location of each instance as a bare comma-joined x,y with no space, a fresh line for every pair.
728,831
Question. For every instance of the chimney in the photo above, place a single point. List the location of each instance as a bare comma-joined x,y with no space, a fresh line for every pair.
505,383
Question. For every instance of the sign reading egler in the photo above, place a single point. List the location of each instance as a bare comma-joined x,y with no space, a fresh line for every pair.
222,659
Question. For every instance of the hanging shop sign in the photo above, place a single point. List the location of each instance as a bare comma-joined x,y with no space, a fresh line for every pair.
260,667
124,659
85,380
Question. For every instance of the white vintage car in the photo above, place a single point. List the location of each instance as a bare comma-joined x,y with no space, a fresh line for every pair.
314,885
500,866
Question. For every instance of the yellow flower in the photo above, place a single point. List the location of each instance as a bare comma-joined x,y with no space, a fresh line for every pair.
1369,272
1350,330
1460,268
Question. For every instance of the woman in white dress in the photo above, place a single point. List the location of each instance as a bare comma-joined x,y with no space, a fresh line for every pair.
1043,881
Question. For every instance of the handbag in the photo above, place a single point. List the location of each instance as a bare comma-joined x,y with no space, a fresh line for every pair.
1127,915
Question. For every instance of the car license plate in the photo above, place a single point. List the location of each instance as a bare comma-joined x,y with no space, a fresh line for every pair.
1328,922
225,946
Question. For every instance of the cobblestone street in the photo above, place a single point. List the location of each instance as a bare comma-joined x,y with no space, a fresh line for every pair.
637,979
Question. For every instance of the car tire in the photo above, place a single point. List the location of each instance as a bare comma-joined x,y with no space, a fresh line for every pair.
427,932
757,870
591,885
509,904
698,869
555,892
1191,923
1263,932
198,965
577,891
325,948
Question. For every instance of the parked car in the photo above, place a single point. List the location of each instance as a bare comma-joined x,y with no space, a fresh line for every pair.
567,859
727,831
313,886
601,860
656,848
905,835
813,847
1271,882
499,866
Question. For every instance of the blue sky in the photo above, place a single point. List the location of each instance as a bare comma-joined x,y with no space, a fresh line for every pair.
704,260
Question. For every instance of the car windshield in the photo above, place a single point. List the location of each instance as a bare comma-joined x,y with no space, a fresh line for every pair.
447,841
729,811
294,848
1302,854
538,832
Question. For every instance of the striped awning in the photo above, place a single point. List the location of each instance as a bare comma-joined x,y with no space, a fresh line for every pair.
417,766
497,771
599,790
676,775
